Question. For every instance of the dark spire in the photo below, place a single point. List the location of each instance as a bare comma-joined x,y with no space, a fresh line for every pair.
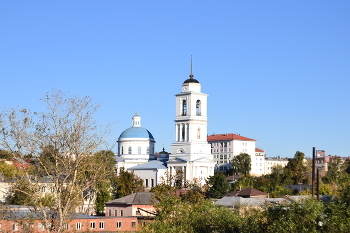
191,75
191,79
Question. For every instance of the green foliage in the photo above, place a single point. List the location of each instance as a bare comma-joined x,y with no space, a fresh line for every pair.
298,170
217,185
279,191
126,183
244,182
104,187
9,170
103,194
336,176
295,216
4,154
193,196
304,215
22,193
241,164
176,215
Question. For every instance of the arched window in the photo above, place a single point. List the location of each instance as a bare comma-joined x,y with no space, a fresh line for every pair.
130,151
139,150
198,108
184,108
122,150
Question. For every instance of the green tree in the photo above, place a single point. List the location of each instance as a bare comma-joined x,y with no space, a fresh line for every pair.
217,185
244,182
4,154
9,171
103,188
336,176
176,215
298,169
126,183
241,164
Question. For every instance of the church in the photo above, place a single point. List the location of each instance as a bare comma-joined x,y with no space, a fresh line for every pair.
190,153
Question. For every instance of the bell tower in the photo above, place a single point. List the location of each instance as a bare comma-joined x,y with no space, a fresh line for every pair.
191,152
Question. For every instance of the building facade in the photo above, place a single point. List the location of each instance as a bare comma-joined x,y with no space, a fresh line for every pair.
271,162
225,146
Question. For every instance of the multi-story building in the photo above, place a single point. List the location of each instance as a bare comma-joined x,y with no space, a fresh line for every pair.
322,161
225,146
274,161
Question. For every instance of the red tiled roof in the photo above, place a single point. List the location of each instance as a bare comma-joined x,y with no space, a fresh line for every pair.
258,150
247,192
229,136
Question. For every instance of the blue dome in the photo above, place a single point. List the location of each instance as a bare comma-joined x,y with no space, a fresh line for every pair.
136,132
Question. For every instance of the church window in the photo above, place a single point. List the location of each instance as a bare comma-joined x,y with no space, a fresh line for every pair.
130,151
198,108
198,133
147,152
122,150
146,182
184,108
139,150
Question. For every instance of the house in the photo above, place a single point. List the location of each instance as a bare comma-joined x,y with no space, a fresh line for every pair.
136,204
22,219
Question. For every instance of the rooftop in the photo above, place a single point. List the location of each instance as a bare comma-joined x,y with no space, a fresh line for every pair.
228,137
139,198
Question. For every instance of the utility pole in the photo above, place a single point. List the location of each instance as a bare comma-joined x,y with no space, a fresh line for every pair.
313,171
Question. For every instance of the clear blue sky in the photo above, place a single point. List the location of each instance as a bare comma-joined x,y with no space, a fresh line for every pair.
275,71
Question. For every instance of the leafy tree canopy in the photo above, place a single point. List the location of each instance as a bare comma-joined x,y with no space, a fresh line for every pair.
217,185
241,164
126,183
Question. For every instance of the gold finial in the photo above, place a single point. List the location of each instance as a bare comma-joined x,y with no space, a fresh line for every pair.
191,75
136,114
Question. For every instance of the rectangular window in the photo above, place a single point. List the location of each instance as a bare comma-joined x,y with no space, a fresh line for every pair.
119,225
92,225
66,226
115,212
146,182
152,182
121,212
133,224
15,227
40,227
110,212
102,225
78,225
